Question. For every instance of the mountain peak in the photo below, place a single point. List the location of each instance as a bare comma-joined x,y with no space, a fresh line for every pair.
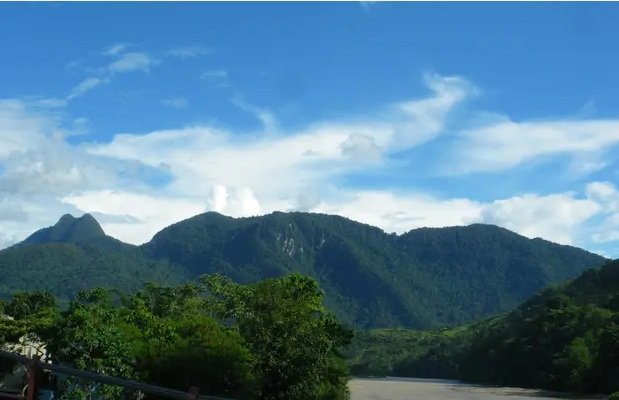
69,229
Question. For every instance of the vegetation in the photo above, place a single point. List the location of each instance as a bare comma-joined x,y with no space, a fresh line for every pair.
427,278
269,340
565,338
74,255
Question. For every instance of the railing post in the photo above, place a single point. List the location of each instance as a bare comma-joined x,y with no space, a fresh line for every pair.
32,379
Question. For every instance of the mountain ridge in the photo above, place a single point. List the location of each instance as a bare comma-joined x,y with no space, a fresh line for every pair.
427,277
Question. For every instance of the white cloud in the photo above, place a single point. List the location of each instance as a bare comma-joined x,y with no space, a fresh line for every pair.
175,102
555,217
124,62
401,213
506,144
249,173
420,120
153,212
266,118
605,194
361,145
85,86
116,49
128,62
187,52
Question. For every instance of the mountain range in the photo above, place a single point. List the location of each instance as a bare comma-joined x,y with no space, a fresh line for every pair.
426,278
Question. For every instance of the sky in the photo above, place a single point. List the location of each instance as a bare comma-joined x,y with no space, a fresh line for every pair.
399,115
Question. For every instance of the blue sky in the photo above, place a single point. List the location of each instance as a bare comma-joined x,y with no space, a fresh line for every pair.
395,114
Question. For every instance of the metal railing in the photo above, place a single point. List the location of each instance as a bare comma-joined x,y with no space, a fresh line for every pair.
34,365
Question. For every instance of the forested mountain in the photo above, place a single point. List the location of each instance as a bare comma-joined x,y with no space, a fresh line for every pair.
564,338
425,278
76,254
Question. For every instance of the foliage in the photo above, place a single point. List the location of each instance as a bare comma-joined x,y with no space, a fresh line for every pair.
294,338
427,278
269,340
565,338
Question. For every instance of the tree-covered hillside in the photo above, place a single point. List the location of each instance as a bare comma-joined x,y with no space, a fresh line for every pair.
426,278
75,254
565,338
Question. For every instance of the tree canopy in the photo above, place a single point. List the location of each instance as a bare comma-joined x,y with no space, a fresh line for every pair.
269,340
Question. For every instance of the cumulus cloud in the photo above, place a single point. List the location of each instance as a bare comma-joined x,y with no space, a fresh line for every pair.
251,173
555,217
38,167
362,146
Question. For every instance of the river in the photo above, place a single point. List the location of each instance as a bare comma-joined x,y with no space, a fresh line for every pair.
428,389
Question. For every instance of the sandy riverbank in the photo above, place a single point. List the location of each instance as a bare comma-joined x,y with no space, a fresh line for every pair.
424,389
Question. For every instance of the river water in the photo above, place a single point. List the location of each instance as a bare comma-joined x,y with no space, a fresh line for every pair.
428,389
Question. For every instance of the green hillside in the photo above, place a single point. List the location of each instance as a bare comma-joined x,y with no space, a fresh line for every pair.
76,254
426,278
564,338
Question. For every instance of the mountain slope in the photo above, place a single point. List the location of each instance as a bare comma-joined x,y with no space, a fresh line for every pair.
76,254
563,338
567,337
69,229
425,278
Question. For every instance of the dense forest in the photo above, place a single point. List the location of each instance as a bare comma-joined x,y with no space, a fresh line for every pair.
426,278
268,340
565,338
259,321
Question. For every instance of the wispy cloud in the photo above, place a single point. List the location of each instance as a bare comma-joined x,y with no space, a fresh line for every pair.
116,49
185,52
85,86
216,77
175,102
502,145
266,118
124,62
128,62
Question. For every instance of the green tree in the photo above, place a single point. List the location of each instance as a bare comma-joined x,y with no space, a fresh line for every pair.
89,337
294,339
